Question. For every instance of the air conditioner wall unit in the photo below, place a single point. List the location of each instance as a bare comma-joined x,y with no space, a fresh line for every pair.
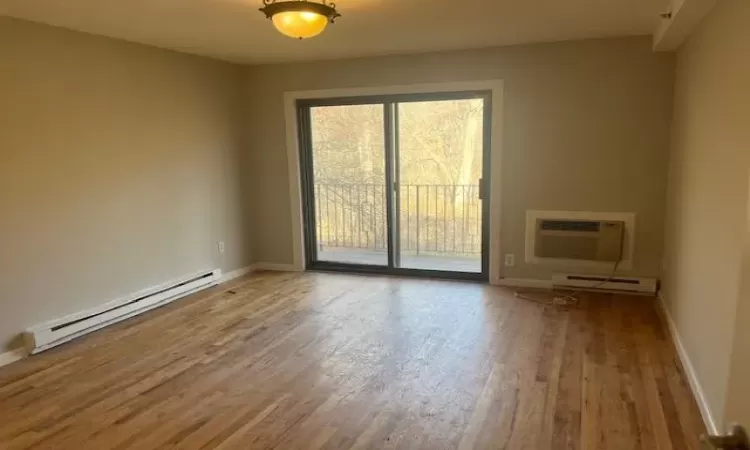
590,240
580,241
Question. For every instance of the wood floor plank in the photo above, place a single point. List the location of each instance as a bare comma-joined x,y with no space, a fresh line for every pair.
332,361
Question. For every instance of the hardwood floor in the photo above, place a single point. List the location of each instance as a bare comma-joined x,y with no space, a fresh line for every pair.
288,361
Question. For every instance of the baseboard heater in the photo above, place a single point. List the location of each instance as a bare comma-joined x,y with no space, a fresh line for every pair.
604,283
59,331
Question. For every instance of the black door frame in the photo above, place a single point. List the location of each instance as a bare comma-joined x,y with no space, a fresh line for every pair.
390,127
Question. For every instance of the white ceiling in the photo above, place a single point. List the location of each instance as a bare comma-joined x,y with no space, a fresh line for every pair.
234,30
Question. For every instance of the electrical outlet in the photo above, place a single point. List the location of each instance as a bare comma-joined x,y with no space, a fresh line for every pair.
510,260
220,246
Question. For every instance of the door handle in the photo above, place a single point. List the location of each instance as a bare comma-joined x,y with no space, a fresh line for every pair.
482,189
736,439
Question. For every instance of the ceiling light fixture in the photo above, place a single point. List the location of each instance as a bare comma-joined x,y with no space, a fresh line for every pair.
300,19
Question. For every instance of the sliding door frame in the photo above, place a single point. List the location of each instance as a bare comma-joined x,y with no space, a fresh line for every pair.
390,129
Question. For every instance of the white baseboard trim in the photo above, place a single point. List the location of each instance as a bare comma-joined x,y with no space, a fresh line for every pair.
524,283
255,267
695,385
275,267
54,332
237,273
12,356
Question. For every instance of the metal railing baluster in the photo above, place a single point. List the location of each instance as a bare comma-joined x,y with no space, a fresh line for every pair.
352,215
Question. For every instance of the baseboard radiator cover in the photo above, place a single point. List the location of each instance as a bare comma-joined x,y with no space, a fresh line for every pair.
50,334
636,285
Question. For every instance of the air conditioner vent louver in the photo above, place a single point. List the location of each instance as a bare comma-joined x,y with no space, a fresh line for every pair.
570,225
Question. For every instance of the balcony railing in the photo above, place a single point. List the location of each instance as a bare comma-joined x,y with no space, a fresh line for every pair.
433,219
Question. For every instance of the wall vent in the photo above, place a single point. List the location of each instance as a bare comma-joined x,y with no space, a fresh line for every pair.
604,283
579,239
570,225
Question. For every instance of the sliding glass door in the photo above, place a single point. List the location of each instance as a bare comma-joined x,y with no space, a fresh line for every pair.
348,183
395,184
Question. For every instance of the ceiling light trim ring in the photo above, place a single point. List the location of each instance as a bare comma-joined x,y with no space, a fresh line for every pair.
273,7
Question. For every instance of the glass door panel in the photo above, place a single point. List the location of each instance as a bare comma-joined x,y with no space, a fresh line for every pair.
439,155
349,183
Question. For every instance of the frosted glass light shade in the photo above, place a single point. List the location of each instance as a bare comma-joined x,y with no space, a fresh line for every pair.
300,24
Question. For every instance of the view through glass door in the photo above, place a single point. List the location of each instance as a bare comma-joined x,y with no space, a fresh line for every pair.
439,163
348,155
394,184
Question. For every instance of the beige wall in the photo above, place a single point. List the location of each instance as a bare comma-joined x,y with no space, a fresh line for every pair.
118,170
707,201
738,389
586,128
